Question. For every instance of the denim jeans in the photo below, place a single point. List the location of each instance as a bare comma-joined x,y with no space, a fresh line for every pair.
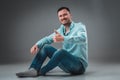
60,57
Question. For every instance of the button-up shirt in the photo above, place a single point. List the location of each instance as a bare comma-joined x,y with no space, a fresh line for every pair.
75,41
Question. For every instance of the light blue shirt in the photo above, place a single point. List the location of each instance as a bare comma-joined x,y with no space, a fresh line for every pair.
75,41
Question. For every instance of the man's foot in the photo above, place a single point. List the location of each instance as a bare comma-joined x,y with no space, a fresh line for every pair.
29,73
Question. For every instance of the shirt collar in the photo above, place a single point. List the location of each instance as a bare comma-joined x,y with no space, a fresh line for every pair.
71,26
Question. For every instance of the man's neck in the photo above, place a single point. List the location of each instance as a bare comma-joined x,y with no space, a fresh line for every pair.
67,26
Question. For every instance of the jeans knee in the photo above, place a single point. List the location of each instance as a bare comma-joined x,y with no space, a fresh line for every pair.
62,51
45,47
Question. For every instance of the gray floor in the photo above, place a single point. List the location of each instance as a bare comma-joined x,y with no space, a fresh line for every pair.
95,71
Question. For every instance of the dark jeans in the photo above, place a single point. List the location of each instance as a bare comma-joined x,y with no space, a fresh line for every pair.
60,57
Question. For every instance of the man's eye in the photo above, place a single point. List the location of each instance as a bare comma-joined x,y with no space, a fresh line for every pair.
60,16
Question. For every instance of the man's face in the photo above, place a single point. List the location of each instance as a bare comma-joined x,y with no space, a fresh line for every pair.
64,16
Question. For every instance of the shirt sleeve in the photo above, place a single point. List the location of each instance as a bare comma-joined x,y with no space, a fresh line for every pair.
46,40
79,35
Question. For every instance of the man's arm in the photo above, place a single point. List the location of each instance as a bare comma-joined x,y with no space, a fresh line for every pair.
79,35
46,40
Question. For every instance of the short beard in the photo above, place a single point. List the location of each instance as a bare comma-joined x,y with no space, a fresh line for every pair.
67,24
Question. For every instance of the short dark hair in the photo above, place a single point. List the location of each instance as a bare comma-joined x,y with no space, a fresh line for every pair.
61,8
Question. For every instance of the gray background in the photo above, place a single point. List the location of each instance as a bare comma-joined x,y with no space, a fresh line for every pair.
24,22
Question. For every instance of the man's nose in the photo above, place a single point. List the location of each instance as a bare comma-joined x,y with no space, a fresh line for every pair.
63,17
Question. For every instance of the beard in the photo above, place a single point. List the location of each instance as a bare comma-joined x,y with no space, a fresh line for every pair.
66,22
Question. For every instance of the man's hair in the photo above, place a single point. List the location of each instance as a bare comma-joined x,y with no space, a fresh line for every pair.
61,8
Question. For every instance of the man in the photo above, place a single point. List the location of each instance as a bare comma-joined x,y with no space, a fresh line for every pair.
72,58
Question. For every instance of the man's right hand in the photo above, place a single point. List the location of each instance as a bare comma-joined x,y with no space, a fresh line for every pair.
34,49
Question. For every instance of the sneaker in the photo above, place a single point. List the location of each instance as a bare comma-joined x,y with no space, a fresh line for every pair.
29,73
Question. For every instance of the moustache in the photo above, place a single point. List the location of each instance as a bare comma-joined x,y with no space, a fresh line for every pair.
64,19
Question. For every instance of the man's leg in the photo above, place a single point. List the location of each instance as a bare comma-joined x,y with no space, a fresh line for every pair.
38,61
46,51
71,64
65,60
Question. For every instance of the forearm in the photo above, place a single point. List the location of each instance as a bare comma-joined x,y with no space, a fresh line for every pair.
43,41
76,39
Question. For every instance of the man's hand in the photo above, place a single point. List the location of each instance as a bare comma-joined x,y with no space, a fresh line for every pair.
34,49
58,37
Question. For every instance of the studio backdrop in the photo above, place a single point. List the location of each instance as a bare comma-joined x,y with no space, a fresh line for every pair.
24,22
